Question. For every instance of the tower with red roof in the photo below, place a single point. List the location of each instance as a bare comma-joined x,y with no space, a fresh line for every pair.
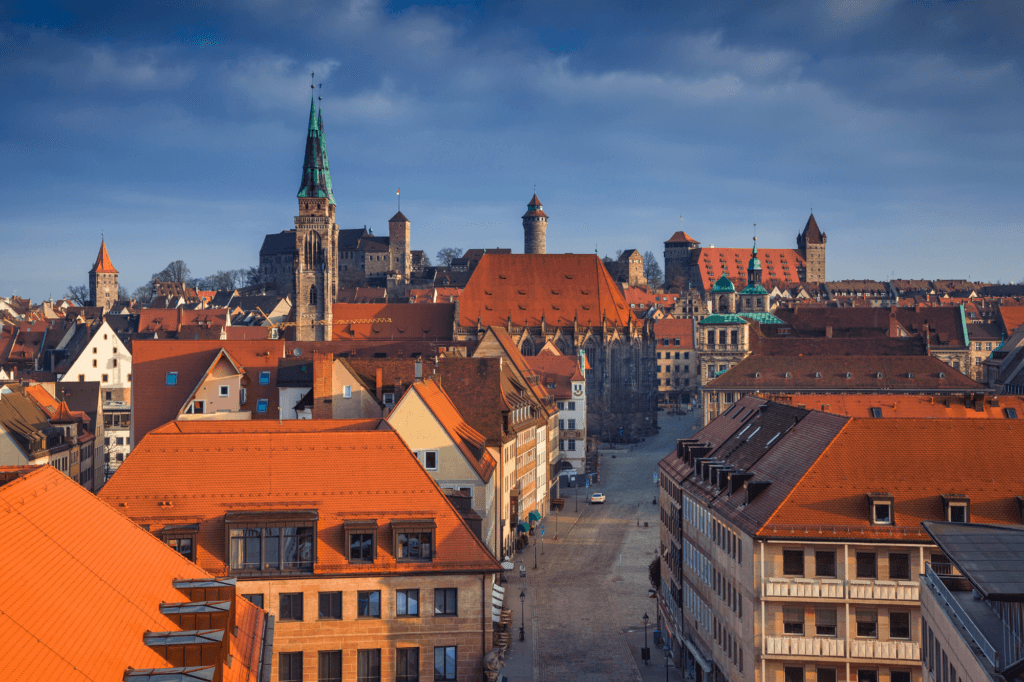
103,280
535,227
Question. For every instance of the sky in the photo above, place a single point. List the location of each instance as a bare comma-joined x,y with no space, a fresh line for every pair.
176,129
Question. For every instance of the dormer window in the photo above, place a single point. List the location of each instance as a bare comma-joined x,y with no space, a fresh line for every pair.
361,540
389,398
414,539
882,511
956,508
271,540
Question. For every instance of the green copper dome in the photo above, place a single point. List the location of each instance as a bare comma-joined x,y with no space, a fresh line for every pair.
723,285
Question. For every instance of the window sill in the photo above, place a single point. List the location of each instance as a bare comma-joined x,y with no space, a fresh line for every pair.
407,615
446,615
367,617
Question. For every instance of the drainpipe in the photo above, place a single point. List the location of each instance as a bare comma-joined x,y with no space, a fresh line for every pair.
763,633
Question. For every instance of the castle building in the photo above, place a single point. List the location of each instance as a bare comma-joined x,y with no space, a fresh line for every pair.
103,281
316,239
687,264
628,269
535,227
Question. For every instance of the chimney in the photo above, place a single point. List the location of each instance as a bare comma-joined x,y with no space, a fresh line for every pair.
323,385
380,384
894,327
828,331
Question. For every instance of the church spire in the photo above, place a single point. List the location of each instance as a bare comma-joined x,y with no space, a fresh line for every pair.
316,177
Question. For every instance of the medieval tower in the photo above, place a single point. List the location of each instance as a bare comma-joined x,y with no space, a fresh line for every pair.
316,239
399,229
811,243
535,227
103,280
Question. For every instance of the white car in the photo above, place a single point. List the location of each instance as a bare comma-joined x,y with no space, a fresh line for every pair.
597,498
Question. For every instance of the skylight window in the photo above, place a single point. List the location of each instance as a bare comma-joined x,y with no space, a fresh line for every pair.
876,412
261,405
1010,412
774,438
753,432
742,430
264,378
171,379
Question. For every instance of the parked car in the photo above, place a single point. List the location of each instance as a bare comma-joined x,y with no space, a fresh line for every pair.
597,498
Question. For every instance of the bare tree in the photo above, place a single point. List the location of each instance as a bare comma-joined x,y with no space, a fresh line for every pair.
145,294
652,270
446,255
79,295
223,280
122,293
176,271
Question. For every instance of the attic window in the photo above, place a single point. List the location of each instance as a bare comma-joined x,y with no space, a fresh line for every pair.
942,375
848,375
414,539
881,509
264,378
817,375
787,375
171,379
1010,412
956,508
876,412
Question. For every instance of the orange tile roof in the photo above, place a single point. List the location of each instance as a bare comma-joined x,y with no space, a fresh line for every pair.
43,399
559,288
560,370
469,441
408,321
87,585
782,265
914,460
671,328
342,474
103,264
1011,317
173,319
906,406
682,237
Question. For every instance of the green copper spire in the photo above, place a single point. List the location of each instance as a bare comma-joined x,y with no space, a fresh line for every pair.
316,178
323,150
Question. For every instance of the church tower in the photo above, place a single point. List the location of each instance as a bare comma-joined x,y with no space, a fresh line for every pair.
103,280
811,243
316,239
535,227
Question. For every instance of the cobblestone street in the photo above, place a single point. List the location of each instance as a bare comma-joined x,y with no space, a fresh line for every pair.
585,602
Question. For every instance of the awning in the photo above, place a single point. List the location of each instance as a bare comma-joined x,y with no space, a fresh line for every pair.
497,599
534,516
697,656
523,527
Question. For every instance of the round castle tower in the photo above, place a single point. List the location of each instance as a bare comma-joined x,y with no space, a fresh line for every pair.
535,228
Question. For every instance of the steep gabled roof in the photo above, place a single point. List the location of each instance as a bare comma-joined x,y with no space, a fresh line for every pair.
968,406
103,264
470,442
777,265
811,233
401,321
560,288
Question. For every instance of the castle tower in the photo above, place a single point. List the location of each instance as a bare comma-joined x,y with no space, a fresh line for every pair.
811,243
535,227
399,229
679,253
103,280
316,239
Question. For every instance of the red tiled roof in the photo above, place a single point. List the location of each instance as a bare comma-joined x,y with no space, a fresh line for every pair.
811,232
173,319
907,406
103,264
1011,317
87,585
945,324
979,459
776,264
535,212
672,328
682,237
559,288
560,370
470,442
341,474
409,321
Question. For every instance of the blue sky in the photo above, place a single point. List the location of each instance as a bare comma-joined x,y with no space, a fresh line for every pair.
177,129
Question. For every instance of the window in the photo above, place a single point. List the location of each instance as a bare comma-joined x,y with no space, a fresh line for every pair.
793,620
956,512
119,440
264,378
256,599
793,562
328,666
572,424
407,665
94,363
444,662
881,512
1010,412
224,391
389,398
407,602
825,622
867,565
793,674
899,567
867,623
899,625
197,407
561,424
285,542
825,564
171,379
659,355
81,377
826,674
104,378
571,444
261,405
368,669
446,601
572,404
867,676
330,606
369,604
183,545
430,460
346,392
289,667
290,606
899,676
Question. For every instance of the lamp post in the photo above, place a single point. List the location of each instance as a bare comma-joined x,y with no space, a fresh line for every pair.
646,654
668,656
556,523
535,554
522,610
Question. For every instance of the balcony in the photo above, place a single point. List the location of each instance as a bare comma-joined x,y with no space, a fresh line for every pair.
814,588
804,646
869,648
830,588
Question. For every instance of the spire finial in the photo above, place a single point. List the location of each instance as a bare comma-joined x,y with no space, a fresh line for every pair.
398,193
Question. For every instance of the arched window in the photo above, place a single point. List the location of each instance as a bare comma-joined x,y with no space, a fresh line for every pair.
563,347
312,295
527,348
312,251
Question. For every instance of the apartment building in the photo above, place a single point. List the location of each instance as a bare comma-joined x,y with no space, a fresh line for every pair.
972,609
791,539
564,378
369,571
678,366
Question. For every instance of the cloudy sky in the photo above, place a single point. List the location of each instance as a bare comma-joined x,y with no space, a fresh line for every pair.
177,129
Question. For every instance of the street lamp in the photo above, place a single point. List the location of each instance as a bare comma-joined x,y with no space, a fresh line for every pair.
668,657
535,553
646,654
556,523
522,627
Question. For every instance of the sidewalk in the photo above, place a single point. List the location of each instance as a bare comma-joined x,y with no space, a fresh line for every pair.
655,672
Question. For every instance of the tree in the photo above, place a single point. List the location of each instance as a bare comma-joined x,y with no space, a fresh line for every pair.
654,573
79,295
122,293
425,261
446,255
175,271
144,294
652,270
618,253
253,276
222,280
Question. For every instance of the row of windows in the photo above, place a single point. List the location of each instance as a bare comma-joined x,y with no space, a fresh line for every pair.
667,369
794,564
571,405
567,444
368,604
939,666
794,674
705,568
825,622
562,424
676,382
668,355
703,521
368,667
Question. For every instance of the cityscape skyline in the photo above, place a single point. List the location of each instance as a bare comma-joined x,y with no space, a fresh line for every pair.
179,133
